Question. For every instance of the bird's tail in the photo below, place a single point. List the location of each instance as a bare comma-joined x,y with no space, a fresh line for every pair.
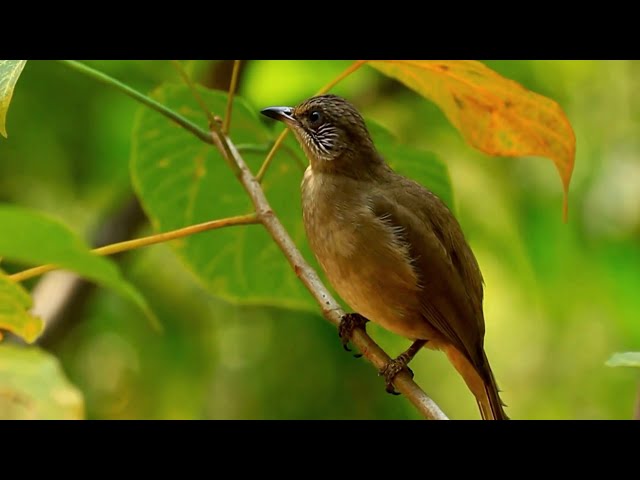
491,406
482,385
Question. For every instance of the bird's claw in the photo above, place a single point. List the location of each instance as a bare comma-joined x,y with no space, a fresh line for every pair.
348,323
391,370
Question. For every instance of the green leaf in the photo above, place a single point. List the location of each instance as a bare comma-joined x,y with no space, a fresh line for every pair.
626,359
10,70
14,305
181,181
32,238
34,387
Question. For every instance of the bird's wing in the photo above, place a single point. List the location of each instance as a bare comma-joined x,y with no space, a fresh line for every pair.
448,272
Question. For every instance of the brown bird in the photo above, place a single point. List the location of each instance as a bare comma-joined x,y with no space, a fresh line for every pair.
391,248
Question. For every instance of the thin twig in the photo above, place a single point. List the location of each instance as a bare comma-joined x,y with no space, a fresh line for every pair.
114,248
213,122
232,91
636,413
352,68
187,80
272,153
267,161
264,148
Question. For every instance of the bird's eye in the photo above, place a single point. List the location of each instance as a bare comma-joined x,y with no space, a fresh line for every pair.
315,117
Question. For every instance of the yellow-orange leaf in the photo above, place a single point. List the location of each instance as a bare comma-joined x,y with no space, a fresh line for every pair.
494,114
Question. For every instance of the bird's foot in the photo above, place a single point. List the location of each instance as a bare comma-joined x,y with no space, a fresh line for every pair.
391,370
348,323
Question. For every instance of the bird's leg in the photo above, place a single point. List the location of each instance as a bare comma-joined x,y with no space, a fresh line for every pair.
394,367
348,323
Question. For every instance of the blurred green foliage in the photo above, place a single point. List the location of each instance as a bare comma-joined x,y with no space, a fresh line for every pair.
35,239
35,387
559,298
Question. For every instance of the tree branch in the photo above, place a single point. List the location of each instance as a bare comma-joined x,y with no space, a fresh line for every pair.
330,308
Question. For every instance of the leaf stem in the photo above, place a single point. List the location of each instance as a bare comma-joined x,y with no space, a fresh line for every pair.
187,80
267,161
264,148
272,153
232,91
119,247
352,68
145,100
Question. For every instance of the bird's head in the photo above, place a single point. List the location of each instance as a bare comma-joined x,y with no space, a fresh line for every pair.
330,130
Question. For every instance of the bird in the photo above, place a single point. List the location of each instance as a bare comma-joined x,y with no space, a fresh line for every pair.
391,248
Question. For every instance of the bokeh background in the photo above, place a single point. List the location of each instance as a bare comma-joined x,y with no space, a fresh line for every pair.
559,298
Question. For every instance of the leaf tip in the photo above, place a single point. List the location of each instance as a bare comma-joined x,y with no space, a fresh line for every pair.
33,329
624,359
154,321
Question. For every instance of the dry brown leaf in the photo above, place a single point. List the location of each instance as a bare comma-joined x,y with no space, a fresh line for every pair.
494,114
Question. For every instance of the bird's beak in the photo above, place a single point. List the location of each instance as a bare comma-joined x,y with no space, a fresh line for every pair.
283,114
